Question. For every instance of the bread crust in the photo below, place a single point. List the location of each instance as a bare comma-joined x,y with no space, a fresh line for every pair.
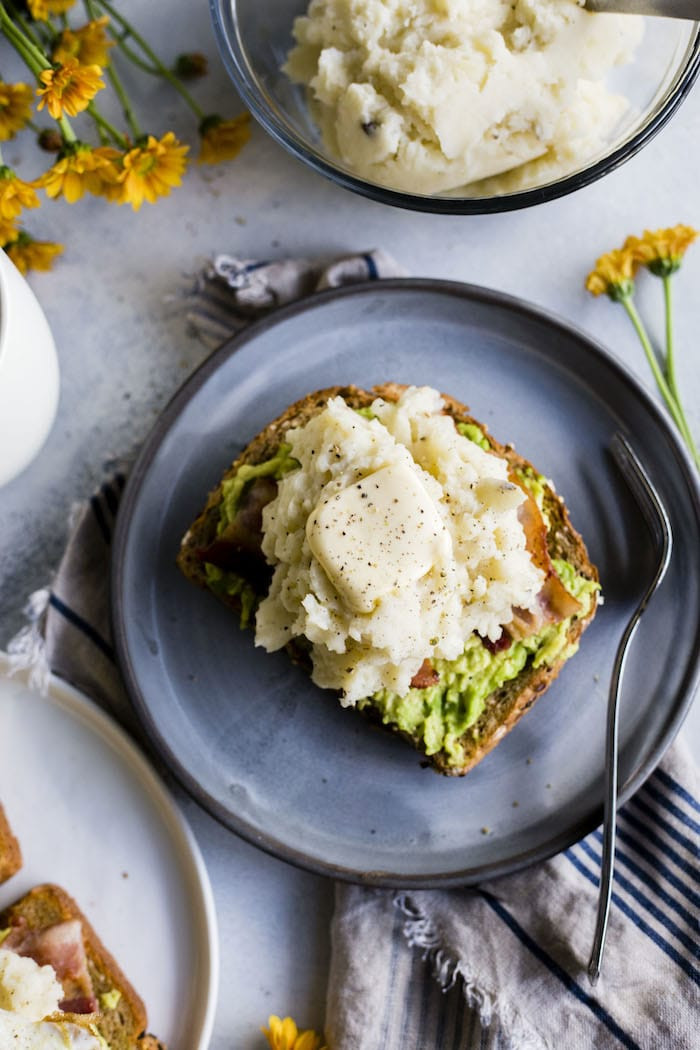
10,852
505,708
123,1027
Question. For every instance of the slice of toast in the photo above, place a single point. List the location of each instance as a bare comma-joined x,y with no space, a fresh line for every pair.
503,708
123,1024
10,852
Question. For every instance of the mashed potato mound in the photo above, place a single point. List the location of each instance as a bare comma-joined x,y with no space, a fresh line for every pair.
427,96
27,989
466,574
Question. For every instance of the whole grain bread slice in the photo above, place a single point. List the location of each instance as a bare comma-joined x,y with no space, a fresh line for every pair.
123,1025
10,852
505,707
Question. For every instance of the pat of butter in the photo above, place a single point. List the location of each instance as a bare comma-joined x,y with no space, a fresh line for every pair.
378,536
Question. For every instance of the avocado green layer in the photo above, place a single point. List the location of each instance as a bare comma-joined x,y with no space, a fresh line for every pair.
233,488
475,434
440,714
230,584
219,580
110,1000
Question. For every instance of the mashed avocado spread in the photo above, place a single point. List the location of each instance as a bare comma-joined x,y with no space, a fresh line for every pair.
218,580
442,713
232,488
439,714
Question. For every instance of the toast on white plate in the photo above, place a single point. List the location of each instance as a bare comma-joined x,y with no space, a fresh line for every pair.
10,852
58,982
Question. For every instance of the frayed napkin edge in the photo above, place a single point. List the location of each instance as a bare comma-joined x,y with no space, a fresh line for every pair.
26,651
420,932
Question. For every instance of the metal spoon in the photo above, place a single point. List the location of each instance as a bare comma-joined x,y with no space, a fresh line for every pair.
689,9
659,526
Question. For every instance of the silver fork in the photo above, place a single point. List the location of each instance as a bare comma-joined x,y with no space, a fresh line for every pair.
659,526
666,8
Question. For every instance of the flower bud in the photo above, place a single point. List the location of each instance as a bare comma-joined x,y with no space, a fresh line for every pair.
50,140
190,65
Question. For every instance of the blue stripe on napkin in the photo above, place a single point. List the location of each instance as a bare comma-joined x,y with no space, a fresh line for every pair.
557,971
668,851
82,625
631,914
675,810
678,789
640,896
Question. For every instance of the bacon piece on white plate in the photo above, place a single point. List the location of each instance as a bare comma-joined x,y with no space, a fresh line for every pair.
60,946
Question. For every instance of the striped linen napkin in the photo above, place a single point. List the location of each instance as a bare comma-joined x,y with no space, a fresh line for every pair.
499,967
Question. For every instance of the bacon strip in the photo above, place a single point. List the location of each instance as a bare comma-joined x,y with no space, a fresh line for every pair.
239,547
425,676
60,946
80,1005
554,603
504,642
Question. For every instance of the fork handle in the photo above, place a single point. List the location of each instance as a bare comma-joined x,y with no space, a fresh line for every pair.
657,520
689,9
610,802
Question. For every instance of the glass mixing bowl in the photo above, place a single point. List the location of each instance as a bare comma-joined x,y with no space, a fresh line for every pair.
255,36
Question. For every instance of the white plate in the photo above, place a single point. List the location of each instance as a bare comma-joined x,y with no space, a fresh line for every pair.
92,816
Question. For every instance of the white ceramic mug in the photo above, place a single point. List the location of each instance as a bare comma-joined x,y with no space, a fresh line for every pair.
28,373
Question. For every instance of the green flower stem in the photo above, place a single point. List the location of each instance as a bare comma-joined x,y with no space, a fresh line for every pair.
66,130
35,59
129,115
31,55
26,28
651,358
42,34
120,39
671,367
106,128
661,383
150,54
102,135
119,90
131,54
670,357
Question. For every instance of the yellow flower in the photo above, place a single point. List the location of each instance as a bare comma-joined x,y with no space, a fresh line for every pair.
662,251
152,169
28,254
284,1035
81,169
613,274
89,45
15,194
8,232
40,10
223,139
15,108
70,88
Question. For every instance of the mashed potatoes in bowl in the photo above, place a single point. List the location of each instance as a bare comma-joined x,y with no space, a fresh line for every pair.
431,96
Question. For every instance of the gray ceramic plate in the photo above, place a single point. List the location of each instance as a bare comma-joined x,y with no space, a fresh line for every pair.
277,759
